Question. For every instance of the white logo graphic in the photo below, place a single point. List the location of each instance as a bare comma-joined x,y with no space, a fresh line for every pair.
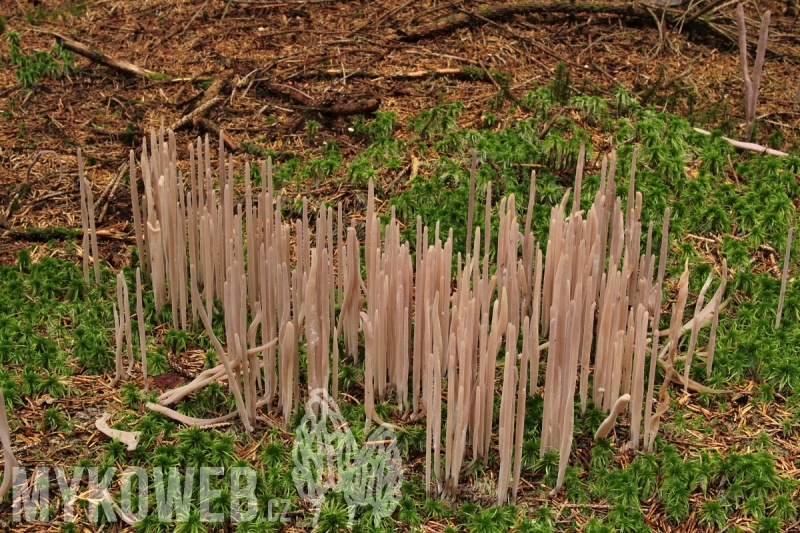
327,457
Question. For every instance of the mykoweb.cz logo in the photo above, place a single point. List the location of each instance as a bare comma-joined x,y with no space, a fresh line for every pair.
179,496
326,454
327,457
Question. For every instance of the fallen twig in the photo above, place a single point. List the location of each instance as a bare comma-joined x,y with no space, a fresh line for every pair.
753,147
287,91
110,191
194,114
97,56
196,14
209,100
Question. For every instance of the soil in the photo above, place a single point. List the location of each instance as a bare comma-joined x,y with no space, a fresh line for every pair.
282,63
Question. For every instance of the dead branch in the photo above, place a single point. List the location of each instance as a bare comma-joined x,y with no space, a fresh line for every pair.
413,75
358,107
290,93
504,11
210,99
195,114
326,107
97,56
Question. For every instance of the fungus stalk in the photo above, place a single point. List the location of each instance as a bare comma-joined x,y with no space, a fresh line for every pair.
712,336
9,459
608,424
784,274
140,323
751,85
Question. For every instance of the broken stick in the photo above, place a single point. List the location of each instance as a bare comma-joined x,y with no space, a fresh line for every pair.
99,57
210,98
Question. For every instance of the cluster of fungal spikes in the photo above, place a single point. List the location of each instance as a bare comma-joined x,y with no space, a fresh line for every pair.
593,297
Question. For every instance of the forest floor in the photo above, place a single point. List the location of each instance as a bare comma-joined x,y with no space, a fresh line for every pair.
283,64
289,79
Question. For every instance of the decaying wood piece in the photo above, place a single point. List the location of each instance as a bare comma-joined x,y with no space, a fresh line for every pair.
129,438
287,91
356,107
